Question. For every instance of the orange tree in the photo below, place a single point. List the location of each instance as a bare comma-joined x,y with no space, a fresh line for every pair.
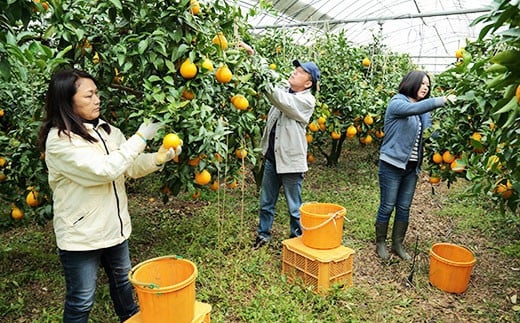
356,85
481,130
136,50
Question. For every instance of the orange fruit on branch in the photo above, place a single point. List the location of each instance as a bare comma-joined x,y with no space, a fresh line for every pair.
207,64
368,120
240,102
17,213
437,158
203,177
457,166
335,135
447,157
241,153
32,199
188,69
220,40
351,131
313,126
194,7
223,74
434,179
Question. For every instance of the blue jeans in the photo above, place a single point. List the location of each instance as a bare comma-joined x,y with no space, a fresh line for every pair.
397,187
80,269
271,183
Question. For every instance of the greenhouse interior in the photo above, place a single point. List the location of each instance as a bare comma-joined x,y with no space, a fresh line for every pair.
260,161
429,31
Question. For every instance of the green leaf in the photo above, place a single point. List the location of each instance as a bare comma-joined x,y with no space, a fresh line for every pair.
117,4
143,45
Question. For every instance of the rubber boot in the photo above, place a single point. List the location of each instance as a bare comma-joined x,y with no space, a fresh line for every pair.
398,233
381,230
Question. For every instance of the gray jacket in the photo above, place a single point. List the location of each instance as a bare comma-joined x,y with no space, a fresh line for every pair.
293,112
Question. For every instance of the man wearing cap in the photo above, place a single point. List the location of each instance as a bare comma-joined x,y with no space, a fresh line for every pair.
284,147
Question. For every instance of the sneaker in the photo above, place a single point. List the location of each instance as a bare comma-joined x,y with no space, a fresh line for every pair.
260,242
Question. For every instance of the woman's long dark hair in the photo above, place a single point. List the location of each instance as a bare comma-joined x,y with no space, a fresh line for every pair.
411,83
59,109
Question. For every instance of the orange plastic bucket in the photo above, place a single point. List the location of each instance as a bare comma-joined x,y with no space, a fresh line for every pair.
450,267
165,288
322,225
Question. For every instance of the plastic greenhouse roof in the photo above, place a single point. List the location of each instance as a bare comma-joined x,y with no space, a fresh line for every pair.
430,31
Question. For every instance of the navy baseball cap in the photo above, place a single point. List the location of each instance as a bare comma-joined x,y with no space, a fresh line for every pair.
310,68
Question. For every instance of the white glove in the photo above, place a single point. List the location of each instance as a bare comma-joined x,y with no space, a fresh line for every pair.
148,129
451,98
164,155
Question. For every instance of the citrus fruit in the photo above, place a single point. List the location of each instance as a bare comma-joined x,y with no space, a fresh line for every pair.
2,113
457,166
171,140
368,120
322,120
3,177
351,131
459,53
380,134
335,135
32,198
194,7
272,66
16,213
241,153
231,183
95,59
2,161
220,40
188,95
476,136
310,158
366,140
447,157
195,195
215,185
437,158
366,62
313,127
434,179
207,64
194,161
203,177
188,69
240,102
223,74
518,93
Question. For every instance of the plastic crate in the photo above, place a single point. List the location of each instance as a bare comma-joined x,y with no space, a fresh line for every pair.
202,314
317,268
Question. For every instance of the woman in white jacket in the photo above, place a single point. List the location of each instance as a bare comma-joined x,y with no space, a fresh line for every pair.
88,160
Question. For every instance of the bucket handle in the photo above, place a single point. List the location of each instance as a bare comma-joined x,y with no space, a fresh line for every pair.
324,223
150,285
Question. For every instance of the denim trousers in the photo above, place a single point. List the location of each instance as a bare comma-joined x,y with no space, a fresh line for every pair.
80,269
271,184
397,187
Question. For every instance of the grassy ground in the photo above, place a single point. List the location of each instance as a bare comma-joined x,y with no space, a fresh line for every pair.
242,285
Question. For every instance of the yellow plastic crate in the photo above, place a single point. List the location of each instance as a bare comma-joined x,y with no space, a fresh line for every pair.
317,268
202,314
